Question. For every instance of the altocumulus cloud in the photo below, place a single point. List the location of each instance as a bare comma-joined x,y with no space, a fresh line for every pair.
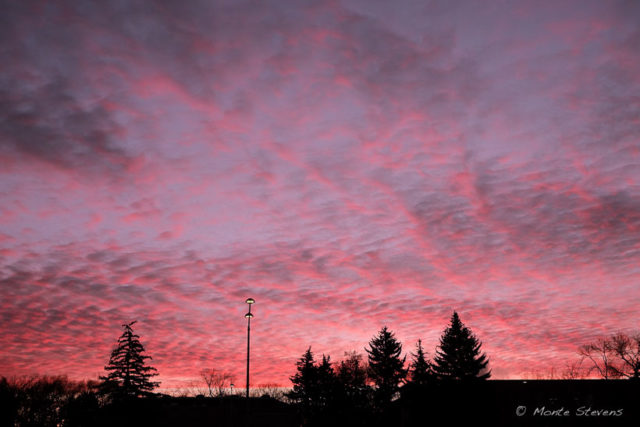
348,164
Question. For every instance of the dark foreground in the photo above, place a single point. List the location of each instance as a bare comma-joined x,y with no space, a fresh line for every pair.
495,403
527,403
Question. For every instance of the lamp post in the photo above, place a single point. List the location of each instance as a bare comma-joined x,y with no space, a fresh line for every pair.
249,301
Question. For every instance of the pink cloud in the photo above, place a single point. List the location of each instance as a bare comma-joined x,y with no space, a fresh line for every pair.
347,165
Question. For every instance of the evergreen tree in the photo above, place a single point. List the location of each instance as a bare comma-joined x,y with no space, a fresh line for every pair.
351,376
128,376
420,369
458,356
326,382
305,389
315,389
386,368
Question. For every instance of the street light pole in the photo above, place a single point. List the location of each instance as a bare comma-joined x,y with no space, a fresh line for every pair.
249,301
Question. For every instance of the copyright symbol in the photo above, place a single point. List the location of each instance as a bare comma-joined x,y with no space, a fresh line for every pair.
520,410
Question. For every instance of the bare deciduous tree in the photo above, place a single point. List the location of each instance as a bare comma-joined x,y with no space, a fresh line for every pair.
217,382
550,373
617,356
271,390
627,351
602,357
573,371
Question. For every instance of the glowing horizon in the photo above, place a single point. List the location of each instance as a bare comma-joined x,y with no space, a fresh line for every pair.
348,164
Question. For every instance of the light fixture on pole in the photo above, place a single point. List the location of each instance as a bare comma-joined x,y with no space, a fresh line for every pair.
249,301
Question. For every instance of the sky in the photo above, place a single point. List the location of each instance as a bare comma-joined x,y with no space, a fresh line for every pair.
348,164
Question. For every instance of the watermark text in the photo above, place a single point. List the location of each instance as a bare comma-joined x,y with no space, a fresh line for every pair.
582,411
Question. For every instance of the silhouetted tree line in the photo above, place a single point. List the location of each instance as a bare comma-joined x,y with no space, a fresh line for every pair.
355,390
37,401
58,401
323,390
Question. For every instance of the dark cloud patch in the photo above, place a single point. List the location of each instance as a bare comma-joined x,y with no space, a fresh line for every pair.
619,213
48,124
46,107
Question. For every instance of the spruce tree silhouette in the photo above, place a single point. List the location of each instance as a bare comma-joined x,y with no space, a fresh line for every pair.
127,374
386,368
305,390
421,371
327,383
458,356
